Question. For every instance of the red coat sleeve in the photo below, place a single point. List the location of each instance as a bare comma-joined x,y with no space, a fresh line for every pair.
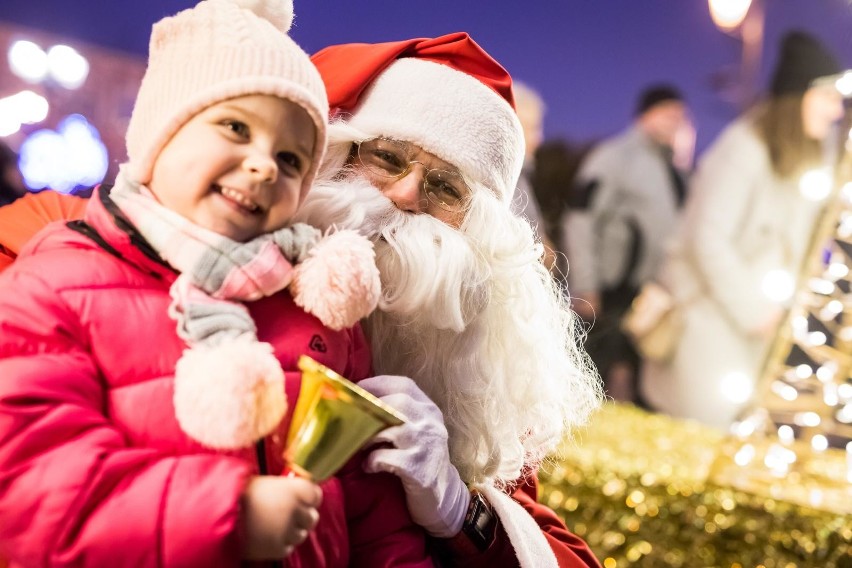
73,491
570,550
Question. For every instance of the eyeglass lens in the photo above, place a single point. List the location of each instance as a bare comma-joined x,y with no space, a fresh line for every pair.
390,158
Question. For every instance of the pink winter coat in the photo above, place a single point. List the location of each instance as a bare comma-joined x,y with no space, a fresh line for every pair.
94,469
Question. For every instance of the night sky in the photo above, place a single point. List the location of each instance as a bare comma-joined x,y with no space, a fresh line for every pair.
588,58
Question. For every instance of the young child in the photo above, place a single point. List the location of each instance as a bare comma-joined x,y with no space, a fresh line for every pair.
118,444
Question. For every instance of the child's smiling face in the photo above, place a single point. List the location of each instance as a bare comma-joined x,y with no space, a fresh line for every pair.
237,167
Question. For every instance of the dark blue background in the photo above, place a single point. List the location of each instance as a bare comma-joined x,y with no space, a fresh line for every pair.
588,58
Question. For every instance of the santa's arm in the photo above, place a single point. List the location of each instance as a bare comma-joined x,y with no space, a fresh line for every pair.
527,533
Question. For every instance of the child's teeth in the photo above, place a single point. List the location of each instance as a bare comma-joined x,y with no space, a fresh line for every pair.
239,198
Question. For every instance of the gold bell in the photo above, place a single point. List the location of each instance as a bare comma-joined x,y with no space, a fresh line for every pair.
332,420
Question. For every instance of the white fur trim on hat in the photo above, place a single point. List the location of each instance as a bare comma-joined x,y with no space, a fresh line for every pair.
218,50
449,114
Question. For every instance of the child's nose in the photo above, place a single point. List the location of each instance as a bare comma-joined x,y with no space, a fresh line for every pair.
407,192
261,166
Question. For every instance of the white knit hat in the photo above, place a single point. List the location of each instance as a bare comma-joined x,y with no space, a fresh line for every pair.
447,95
218,50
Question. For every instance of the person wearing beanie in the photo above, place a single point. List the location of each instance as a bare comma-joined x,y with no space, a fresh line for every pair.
474,340
747,225
480,350
148,350
623,208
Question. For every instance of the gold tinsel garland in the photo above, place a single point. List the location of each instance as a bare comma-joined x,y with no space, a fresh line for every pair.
635,487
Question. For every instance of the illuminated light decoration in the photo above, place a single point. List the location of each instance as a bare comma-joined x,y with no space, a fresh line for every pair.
849,462
67,67
834,307
811,419
736,386
819,443
845,414
778,285
844,390
826,373
846,190
815,185
744,429
829,394
844,85
71,156
728,14
778,459
838,270
815,497
821,286
785,434
28,61
25,107
787,392
744,455
61,63
799,324
804,371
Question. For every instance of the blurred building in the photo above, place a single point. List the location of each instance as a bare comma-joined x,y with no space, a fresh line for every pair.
104,98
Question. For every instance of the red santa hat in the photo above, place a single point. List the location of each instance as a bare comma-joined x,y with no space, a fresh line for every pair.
446,94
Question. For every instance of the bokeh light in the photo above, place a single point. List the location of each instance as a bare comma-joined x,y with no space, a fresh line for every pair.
64,159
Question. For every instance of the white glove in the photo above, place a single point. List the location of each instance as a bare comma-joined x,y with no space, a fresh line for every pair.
437,497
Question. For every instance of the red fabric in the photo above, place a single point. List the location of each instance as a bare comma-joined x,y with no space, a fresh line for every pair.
570,550
349,69
94,469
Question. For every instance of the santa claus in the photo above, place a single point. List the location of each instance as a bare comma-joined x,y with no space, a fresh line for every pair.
475,339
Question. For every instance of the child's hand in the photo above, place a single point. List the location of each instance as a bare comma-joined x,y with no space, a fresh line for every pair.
277,514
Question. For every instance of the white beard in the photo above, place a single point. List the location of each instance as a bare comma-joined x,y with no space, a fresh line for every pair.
468,319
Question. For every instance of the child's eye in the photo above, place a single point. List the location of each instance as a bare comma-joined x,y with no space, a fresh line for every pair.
290,160
237,127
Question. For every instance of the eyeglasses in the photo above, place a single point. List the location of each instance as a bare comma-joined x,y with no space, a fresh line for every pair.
392,159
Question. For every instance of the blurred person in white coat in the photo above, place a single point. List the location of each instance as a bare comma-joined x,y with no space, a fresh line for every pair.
743,237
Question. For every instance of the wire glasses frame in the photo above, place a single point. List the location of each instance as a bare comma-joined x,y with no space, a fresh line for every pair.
392,159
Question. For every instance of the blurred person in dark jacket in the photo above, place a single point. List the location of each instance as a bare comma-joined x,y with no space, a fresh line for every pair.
624,207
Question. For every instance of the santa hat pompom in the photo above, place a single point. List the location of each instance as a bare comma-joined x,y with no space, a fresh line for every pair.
278,12
338,282
231,395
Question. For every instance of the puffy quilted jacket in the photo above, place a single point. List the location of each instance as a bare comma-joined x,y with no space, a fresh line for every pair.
94,469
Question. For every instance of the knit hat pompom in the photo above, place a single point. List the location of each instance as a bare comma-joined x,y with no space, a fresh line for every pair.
230,395
278,12
338,282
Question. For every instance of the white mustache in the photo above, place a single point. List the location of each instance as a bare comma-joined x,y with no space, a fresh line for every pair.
429,269
353,202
